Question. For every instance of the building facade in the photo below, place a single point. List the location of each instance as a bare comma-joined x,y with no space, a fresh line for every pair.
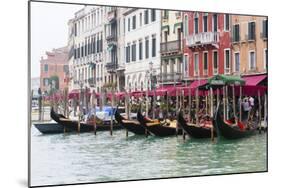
142,29
171,70
87,40
114,50
249,43
207,44
54,70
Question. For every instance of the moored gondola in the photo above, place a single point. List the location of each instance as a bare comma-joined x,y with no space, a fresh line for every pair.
49,128
131,125
194,131
157,128
230,129
73,125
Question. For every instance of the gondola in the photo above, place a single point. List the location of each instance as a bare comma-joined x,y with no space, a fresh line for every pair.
157,128
194,131
228,128
72,125
131,125
49,128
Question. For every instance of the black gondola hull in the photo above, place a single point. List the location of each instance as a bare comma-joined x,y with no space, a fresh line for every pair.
73,125
133,126
228,131
49,128
195,131
158,130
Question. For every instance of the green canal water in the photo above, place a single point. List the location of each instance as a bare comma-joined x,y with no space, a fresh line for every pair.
79,158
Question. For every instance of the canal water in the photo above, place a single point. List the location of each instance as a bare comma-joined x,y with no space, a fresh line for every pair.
79,158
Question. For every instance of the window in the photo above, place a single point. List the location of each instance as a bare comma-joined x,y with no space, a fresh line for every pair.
78,51
196,64
82,50
264,29
86,48
185,25
166,14
153,15
101,44
134,52
265,59
46,68
252,59
205,62
45,81
227,61
215,22
134,22
166,36
129,24
65,69
94,45
196,24
140,19
236,33
251,30
98,45
146,48
205,23
153,47
226,22
185,65
215,62
89,47
140,50
237,61
128,53
124,25
146,17
75,29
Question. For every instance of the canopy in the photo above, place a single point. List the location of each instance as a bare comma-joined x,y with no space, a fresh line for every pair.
254,80
226,80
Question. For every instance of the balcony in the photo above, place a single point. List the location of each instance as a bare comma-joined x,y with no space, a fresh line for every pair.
201,39
111,15
170,47
92,82
112,38
170,77
111,67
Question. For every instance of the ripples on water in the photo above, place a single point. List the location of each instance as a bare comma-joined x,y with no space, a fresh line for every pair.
78,158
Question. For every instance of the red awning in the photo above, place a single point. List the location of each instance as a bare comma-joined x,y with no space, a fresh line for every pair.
254,80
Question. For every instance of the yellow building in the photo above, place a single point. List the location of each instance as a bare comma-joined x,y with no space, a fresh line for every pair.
171,47
249,44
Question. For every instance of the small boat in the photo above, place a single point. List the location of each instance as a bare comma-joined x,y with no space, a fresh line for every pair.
72,125
157,128
194,130
131,125
49,127
230,129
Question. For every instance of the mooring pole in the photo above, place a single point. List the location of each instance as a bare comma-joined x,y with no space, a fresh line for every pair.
259,96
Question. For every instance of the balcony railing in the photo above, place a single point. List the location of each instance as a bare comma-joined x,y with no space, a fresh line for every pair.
92,82
111,38
111,66
170,77
111,15
202,39
172,46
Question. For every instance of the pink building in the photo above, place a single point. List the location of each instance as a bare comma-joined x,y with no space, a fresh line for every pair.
54,70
